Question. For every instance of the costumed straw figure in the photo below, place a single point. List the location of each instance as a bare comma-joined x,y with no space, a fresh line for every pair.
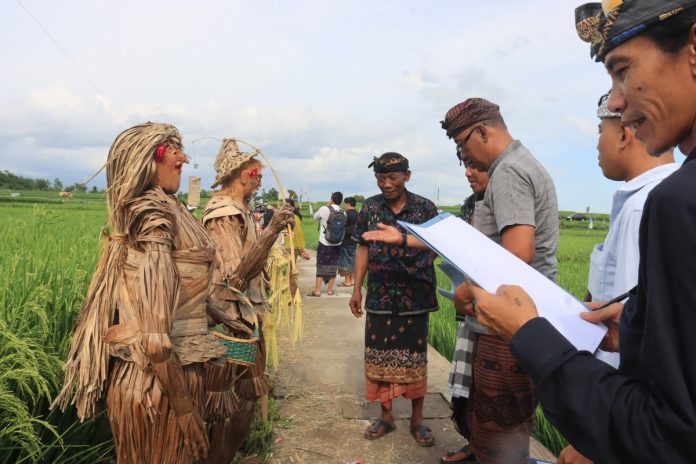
142,336
238,297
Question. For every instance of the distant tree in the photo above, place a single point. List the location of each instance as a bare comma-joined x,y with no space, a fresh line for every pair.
42,184
76,187
11,181
271,195
292,194
359,198
57,184
94,189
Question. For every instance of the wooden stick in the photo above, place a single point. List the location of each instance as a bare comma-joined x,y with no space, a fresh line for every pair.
293,263
264,407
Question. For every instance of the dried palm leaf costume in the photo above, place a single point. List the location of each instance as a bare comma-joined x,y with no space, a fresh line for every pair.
142,335
238,303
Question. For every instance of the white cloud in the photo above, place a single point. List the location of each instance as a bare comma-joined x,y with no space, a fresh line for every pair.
320,86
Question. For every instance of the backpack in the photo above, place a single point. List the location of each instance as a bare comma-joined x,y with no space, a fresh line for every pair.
335,228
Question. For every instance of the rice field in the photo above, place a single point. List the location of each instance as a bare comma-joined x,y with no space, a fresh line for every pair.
47,254
48,250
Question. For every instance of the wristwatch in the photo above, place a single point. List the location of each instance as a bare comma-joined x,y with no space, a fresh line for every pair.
404,239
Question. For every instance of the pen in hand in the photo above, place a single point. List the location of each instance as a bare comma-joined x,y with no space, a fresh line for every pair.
614,300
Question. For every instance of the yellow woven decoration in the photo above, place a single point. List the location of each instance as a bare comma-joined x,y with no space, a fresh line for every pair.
271,338
278,269
297,320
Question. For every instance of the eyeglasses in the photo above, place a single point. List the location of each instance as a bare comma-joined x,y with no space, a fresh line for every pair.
461,144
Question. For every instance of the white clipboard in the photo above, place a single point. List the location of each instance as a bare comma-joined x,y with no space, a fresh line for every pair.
489,265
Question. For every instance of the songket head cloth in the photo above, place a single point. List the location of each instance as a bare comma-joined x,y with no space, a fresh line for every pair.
131,165
610,23
389,162
467,113
603,111
228,160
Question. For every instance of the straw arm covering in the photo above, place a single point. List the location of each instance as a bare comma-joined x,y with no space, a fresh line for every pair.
254,260
243,251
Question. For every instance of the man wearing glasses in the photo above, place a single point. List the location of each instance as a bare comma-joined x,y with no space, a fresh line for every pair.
519,211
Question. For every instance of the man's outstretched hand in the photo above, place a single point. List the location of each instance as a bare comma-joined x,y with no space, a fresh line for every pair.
384,233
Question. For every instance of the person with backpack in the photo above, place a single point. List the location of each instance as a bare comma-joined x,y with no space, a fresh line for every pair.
332,229
346,256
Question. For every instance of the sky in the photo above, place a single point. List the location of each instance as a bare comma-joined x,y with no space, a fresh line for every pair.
320,86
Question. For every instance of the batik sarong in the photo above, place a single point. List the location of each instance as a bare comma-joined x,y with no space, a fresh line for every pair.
396,357
346,259
501,404
327,261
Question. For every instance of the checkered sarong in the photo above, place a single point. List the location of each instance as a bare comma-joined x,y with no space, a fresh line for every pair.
462,362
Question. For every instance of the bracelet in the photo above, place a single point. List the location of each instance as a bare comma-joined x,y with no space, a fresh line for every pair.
404,239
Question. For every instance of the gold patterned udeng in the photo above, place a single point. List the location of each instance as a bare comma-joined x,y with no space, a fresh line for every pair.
588,30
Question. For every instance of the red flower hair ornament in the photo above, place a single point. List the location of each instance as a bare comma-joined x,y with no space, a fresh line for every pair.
253,173
160,151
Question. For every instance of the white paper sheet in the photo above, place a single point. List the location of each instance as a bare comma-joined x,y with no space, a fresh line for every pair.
489,265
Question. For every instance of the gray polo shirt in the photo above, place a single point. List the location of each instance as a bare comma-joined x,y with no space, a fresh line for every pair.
520,191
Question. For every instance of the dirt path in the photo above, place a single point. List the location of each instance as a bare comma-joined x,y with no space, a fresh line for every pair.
320,390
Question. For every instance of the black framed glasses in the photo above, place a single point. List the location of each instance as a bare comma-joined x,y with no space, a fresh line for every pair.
461,144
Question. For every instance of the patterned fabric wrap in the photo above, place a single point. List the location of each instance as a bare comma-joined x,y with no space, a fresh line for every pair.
346,258
396,354
327,261
385,392
502,404
613,22
467,113
460,376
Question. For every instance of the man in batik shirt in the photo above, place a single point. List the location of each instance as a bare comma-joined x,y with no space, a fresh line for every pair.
400,293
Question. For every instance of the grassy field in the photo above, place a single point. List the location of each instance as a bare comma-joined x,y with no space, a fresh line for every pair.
48,250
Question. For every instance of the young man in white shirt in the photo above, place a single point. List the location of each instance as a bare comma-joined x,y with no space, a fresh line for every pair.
614,263
327,252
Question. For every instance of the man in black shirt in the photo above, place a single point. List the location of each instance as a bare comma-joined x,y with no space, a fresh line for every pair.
346,255
644,412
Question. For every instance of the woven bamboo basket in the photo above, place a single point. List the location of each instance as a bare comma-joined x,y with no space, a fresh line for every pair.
239,350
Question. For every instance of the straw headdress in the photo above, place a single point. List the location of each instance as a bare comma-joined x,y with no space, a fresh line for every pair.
131,165
229,159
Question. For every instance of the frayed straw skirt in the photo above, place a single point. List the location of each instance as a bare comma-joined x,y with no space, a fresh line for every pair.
143,422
